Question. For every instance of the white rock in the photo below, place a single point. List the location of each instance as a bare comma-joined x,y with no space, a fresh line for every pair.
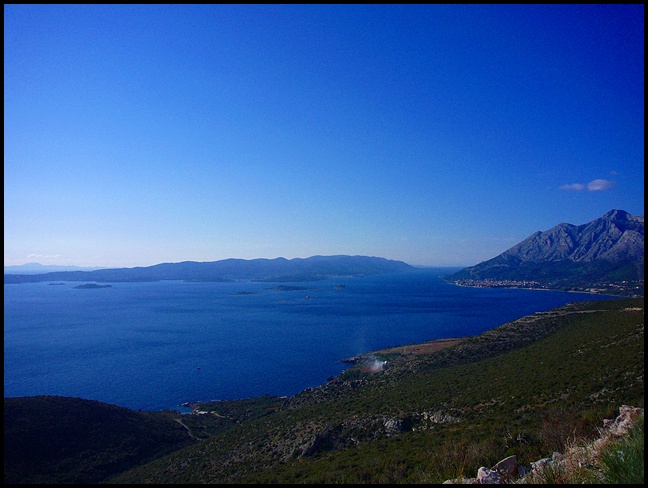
487,476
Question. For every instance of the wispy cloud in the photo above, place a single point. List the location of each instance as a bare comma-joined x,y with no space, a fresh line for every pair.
594,185
573,186
40,256
597,185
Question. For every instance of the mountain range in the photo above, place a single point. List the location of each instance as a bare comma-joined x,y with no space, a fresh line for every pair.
37,268
604,255
279,269
609,249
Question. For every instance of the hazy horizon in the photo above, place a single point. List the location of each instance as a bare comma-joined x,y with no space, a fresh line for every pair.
437,135
33,267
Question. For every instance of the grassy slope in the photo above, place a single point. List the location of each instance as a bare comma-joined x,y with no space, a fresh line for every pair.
524,388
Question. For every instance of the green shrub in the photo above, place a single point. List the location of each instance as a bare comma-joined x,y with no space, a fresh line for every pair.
622,461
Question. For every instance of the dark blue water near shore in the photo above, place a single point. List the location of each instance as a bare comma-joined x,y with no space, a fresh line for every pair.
152,346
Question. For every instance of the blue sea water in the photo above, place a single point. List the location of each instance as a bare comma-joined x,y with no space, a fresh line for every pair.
153,346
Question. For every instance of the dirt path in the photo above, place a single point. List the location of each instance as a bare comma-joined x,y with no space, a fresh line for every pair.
188,430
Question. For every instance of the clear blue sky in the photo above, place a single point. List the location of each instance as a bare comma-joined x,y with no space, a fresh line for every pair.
436,135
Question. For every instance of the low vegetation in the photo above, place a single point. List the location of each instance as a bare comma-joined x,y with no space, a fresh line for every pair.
622,462
532,387
614,460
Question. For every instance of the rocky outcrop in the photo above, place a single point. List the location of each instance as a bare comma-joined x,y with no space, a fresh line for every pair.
620,425
509,471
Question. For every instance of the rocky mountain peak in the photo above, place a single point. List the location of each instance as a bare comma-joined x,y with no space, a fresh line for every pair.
615,236
614,215
607,249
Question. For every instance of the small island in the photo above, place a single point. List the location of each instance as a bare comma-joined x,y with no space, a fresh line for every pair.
289,288
88,286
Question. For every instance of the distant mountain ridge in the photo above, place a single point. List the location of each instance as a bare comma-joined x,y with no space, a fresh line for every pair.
37,268
279,269
608,249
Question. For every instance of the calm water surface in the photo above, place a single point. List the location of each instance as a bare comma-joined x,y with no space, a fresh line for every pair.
153,346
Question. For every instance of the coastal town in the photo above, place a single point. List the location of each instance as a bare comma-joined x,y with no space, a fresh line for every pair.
629,288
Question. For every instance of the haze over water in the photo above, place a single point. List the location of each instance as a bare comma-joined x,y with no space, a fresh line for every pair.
153,346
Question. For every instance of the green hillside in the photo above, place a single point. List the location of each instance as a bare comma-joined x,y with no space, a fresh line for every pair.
525,388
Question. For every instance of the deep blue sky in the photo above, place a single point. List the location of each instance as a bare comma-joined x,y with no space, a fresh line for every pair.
437,135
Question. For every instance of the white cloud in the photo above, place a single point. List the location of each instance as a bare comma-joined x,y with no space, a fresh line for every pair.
573,186
43,256
594,185
598,185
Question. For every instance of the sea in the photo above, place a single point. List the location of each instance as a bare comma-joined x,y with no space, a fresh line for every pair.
155,346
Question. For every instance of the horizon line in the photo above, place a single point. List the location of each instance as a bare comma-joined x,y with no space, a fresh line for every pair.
98,267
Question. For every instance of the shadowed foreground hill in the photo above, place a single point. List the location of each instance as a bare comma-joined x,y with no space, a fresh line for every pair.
50,439
524,388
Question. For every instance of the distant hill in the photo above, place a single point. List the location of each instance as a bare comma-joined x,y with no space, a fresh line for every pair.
37,268
607,250
279,269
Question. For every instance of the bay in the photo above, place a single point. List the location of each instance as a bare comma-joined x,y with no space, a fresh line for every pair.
154,346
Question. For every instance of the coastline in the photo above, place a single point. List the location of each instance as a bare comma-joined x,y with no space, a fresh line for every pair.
366,362
621,289
378,360
427,347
